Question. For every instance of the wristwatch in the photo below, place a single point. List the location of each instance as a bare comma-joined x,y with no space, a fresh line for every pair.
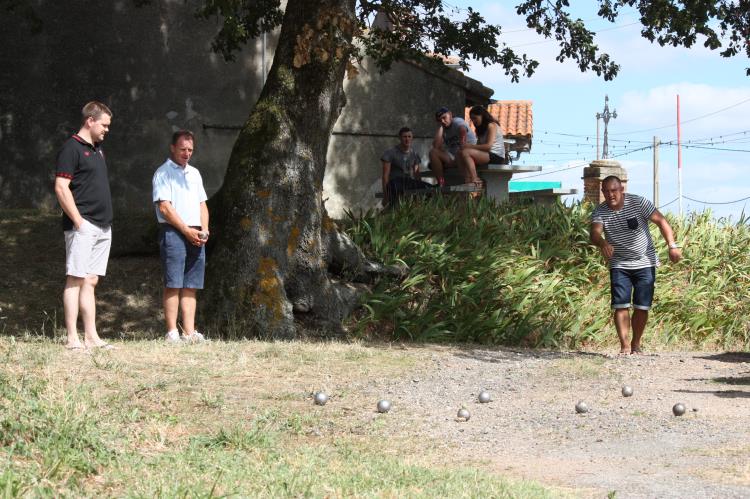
674,246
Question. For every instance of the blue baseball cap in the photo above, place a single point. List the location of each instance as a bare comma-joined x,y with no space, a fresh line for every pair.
441,112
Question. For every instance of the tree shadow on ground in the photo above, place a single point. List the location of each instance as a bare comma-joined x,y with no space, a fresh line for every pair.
492,354
128,297
728,357
727,380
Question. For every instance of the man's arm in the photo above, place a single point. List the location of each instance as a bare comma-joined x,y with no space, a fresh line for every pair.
415,170
463,132
204,220
386,176
67,203
437,142
173,219
596,234
675,253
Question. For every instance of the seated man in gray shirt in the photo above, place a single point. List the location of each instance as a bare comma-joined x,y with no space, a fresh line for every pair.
452,134
401,168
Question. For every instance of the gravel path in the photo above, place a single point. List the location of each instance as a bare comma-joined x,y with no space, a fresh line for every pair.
634,446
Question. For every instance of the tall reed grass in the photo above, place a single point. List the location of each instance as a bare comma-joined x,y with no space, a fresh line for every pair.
527,275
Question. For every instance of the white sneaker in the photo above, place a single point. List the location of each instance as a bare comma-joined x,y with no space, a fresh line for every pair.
195,337
173,336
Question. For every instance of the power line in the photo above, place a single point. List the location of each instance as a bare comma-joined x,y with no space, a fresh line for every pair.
717,202
685,121
665,205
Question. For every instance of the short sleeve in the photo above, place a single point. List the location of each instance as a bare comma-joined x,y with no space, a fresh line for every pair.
387,156
161,189
202,193
596,216
67,160
416,158
647,208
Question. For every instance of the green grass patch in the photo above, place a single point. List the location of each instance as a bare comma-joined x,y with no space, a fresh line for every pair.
177,422
527,275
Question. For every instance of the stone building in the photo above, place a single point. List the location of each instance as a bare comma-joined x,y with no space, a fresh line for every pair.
154,67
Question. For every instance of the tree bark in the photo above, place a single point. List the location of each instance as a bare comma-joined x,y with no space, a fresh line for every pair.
273,241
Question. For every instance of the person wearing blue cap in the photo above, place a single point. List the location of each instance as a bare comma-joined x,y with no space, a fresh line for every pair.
452,134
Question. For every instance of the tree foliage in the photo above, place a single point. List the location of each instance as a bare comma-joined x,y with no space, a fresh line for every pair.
418,27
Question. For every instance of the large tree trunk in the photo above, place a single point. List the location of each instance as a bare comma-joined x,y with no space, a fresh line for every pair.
274,241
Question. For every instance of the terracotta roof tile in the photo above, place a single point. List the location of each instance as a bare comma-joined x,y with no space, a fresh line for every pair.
516,119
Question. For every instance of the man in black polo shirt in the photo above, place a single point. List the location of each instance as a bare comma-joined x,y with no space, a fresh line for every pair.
82,189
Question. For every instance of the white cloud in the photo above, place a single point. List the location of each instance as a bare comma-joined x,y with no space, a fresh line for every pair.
705,110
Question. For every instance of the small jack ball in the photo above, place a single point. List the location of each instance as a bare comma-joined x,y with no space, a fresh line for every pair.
464,414
321,398
484,397
678,409
582,407
384,405
627,391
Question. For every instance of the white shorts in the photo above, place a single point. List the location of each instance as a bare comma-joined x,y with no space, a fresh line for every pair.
87,250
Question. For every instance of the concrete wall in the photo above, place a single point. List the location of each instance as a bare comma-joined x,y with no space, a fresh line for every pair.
378,106
154,67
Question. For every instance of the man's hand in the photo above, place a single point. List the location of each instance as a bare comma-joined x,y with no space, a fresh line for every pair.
194,236
607,250
675,255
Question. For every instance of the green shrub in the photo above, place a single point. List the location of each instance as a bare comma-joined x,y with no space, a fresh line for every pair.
511,274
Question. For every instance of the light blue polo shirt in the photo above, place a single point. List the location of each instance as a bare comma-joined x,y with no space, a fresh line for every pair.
183,187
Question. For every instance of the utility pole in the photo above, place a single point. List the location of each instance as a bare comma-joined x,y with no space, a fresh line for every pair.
656,171
597,137
606,116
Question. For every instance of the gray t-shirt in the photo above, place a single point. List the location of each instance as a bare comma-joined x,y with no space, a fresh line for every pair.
402,163
452,135
627,231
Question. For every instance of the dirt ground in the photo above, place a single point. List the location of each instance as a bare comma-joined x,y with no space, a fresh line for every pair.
634,447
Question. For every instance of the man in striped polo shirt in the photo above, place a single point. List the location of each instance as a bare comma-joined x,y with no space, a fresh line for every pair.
627,246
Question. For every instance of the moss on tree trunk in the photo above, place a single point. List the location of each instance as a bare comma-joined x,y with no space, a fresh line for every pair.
272,249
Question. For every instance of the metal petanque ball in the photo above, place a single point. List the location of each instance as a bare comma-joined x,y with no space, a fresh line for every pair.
484,397
582,407
384,405
464,414
627,391
678,409
320,398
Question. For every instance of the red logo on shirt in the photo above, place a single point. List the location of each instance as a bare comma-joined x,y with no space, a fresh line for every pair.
86,153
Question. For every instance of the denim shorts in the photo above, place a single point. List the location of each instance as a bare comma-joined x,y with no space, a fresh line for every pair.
635,284
182,263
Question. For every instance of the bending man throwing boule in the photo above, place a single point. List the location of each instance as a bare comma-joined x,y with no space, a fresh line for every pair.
619,228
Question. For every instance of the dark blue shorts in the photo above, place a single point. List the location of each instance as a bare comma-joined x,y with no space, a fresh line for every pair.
632,284
183,264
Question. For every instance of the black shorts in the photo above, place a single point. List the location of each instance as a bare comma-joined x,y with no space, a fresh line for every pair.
496,160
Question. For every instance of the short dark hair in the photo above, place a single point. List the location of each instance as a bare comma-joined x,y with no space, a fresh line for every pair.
404,130
441,112
94,110
179,134
612,178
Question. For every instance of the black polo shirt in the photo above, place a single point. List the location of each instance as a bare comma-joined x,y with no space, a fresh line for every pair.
84,165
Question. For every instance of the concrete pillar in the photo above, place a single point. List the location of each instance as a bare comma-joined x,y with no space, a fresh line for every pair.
597,171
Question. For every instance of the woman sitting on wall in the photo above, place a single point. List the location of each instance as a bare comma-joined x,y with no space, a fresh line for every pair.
489,148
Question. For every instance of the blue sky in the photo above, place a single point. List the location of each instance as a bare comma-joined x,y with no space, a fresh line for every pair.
714,101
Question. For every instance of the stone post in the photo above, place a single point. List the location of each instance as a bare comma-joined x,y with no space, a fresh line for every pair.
597,171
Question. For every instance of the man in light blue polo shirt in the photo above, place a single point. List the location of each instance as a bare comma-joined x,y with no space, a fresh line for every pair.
180,202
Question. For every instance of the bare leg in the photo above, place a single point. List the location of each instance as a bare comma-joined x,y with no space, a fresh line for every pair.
71,296
622,324
640,317
470,158
171,306
436,163
87,306
187,307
